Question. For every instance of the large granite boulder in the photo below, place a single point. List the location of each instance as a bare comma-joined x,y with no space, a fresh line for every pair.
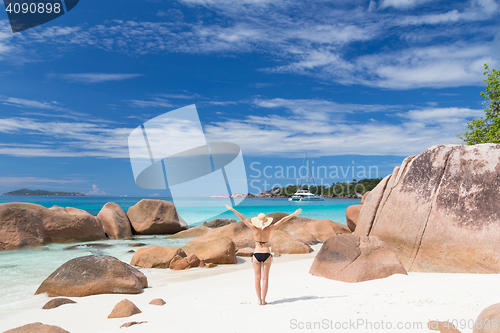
150,217
114,221
92,275
320,229
20,227
217,223
284,243
302,235
60,225
181,263
307,230
245,252
238,232
191,232
488,320
72,225
220,250
370,207
352,215
156,256
439,210
37,328
363,198
352,258
352,212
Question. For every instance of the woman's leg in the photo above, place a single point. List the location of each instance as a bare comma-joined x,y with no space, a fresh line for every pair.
257,269
266,266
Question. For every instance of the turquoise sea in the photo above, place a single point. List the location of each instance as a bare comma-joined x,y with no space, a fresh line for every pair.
23,270
196,210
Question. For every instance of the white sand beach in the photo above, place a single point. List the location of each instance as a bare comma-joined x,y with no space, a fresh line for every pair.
222,299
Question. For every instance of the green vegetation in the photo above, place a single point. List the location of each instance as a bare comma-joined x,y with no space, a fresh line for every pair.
28,192
486,129
336,190
343,188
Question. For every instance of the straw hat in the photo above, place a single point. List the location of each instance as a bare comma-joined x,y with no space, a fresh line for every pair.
261,221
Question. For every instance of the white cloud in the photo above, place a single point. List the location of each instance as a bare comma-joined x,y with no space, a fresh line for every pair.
321,42
62,112
52,32
9,51
156,102
442,115
313,125
26,103
175,14
34,181
36,151
222,103
486,5
70,139
452,65
98,77
142,117
433,19
326,63
96,191
305,106
184,95
232,3
478,10
322,134
69,115
402,4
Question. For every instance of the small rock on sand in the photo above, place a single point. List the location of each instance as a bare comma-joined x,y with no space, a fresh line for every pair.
158,301
57,302
124,308
130,323
37,328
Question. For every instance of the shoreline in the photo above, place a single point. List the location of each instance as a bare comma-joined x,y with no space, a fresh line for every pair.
149,197
197,210
223,299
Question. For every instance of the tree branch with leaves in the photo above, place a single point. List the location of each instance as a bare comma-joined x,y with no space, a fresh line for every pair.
487,128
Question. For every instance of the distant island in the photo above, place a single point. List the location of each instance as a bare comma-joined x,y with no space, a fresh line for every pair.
354,189
28,192
236,195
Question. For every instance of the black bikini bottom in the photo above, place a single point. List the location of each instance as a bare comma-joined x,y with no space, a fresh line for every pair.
261,257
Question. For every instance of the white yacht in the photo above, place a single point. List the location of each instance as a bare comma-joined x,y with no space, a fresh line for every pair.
305,194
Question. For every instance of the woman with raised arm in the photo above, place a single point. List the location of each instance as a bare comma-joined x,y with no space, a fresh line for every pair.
262,228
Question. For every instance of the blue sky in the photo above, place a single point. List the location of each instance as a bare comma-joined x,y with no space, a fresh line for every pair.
353,83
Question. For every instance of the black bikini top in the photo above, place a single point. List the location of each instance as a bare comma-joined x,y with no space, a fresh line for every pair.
261,243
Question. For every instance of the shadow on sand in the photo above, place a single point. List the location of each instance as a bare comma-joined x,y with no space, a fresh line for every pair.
303,298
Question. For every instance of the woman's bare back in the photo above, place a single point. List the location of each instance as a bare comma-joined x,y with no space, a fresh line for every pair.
261,238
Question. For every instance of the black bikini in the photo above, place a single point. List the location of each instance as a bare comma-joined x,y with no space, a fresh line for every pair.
261,257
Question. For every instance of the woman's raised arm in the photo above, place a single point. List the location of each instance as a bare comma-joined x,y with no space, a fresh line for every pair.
286,218
247,222
236,212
